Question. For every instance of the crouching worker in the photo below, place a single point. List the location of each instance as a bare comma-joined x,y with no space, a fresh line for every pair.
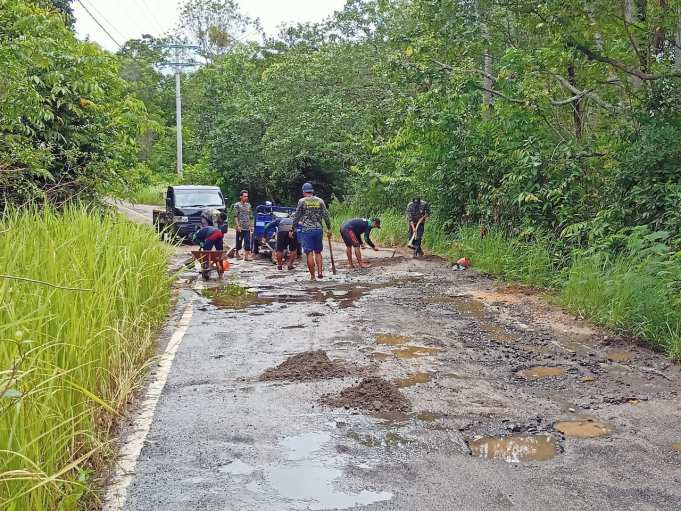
352,231
286,240
208,236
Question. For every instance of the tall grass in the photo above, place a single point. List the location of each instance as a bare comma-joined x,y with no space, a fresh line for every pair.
625,294
70,358
153,195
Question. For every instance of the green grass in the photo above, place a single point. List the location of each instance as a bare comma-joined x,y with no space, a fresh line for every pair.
624,294
153,195
631,296
70,359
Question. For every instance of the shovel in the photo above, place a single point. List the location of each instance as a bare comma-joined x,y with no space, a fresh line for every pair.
333,262
416,229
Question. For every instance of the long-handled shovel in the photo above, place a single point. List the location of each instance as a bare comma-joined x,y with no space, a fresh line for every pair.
333,262
416,230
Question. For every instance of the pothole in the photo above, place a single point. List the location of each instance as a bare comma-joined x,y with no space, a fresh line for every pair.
236,468
583,429
428,416
620,356
515,448
537,373
413,379
232,296
414,351
677,446
391,339
373,394
307,366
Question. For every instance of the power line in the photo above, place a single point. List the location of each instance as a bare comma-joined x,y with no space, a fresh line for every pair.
99,24
105,21
153,16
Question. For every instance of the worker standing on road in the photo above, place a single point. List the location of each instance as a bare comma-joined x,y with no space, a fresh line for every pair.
352,231
418,212
243,213
310,213
286,240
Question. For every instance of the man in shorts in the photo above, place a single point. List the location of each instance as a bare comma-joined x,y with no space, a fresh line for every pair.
243,214
286,240
352,231
310,214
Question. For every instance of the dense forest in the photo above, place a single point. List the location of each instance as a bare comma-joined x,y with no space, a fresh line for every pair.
559,116
555,124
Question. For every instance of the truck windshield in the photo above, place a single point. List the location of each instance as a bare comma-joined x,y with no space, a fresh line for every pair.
197,198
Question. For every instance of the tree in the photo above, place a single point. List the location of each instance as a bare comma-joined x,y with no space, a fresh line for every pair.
63,6
67,124
216,26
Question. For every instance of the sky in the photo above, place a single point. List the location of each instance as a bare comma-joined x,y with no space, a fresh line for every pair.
128,19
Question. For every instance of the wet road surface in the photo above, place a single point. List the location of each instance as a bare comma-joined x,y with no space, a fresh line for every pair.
512,404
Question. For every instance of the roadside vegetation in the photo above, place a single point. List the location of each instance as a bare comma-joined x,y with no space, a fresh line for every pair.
75,339
550,127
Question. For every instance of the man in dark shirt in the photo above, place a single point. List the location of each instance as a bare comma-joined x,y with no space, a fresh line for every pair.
418,212
208,236
352,231
285,240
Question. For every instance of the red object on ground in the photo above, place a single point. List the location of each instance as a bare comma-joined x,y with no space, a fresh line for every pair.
464,261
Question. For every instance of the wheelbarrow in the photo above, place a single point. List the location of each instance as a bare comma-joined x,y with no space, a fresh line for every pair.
211,260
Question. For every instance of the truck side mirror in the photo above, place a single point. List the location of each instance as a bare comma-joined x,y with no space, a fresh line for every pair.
169,202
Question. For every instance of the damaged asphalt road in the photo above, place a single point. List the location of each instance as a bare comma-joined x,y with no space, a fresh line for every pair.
508,404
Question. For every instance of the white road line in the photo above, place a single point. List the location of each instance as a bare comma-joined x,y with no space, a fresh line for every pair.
127,460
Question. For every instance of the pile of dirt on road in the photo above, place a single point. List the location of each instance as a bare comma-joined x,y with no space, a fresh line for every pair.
307,366
374,394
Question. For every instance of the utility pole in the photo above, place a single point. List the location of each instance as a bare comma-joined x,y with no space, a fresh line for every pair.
181,61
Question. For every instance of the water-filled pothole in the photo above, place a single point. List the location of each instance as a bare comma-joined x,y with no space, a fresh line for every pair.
537,373
391,339
413,379
620,356
583,429
231,296
414,351
515,449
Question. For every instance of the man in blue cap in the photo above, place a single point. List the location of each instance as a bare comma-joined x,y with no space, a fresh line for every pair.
310,213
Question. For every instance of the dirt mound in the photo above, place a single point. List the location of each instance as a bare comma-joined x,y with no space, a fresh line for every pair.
307,366
374,394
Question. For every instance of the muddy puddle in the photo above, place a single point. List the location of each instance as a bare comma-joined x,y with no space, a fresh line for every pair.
620,356
377,355
231,296
307,366
676,446
309,477
583,429
413,379
391,339
429,416
414,352
372,394
515,449
538,373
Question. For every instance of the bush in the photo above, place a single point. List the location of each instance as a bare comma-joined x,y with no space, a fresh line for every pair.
70,358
